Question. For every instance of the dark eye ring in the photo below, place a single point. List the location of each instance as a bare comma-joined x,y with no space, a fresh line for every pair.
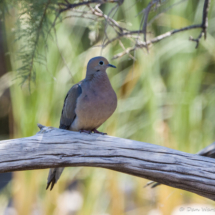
101,62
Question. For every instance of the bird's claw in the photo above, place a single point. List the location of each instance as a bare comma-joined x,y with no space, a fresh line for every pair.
85,131
98,132
89,132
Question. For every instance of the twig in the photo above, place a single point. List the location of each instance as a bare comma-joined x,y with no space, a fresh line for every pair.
76,16
71,6
146,15
154,40
165,10
127,51
204,24
170,33
106,23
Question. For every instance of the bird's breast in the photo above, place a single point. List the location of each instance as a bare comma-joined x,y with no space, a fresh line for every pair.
94,107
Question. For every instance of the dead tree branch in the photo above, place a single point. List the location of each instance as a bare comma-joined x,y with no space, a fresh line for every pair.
146,14
204,24
140,44
94,12
52,147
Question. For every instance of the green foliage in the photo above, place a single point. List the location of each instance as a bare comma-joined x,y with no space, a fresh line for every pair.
34,27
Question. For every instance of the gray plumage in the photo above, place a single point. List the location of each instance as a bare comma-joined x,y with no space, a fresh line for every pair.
87,105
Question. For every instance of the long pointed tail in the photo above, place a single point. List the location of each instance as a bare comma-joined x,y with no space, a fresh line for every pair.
54,175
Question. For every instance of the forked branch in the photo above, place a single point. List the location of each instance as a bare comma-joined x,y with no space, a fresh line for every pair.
94,13
204,24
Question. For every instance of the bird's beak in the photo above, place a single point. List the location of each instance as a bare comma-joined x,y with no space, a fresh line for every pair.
110,65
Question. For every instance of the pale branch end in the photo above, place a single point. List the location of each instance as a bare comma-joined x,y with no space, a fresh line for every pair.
40,126
52,147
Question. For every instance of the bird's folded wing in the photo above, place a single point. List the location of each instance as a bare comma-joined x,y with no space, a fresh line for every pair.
68,112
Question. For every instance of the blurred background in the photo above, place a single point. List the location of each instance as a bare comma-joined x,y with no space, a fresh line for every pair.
165,97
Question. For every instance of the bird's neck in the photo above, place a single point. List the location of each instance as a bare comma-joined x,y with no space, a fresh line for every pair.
100,80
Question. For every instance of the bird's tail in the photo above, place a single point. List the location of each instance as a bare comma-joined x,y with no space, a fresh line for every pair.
54,175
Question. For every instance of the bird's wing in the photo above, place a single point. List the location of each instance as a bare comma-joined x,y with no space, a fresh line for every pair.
67,117
68,112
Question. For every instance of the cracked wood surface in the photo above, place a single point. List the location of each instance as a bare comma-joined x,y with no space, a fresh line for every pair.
52,147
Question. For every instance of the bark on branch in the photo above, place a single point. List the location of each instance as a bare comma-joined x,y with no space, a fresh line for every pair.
52,147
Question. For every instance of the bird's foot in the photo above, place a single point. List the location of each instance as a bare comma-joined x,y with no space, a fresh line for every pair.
85,131
98,132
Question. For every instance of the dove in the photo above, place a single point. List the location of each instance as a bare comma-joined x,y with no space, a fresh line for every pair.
87,105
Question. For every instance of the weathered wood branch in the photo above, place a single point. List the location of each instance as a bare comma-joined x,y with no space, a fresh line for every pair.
52,147
208,151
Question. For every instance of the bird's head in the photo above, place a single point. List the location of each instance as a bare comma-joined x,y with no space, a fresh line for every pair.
97,65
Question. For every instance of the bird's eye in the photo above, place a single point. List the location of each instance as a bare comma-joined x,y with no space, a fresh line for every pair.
101,62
